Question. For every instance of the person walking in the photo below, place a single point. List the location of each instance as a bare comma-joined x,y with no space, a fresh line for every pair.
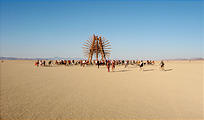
141,65
162,65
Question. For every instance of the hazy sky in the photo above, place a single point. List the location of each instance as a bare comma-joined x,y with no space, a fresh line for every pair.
142,30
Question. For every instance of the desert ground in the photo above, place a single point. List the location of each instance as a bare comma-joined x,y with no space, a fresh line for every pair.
61,92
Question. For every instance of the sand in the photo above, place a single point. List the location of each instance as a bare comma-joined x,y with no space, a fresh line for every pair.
61,92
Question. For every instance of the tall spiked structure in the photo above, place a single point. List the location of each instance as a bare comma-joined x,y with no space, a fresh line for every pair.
98,46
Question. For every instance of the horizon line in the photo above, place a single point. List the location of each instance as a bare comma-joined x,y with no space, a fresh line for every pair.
81,58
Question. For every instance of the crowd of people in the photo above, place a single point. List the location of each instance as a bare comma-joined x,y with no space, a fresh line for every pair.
108,63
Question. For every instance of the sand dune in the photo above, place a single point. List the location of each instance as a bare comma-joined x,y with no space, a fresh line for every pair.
61,92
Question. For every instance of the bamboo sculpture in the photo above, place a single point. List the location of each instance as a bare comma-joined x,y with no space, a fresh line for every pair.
98,46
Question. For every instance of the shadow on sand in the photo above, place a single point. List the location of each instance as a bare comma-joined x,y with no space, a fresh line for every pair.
132,67
52,66
168,69
122,70
148,70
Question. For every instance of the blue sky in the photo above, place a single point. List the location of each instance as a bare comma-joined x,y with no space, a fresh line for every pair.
137,29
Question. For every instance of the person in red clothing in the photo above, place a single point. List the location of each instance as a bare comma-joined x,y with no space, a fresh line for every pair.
37,63
65,62
113,65
69,62
108,65
56,62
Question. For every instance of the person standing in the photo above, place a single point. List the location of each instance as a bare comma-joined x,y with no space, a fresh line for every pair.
44,63
98,63
50,62
40,62
37,63
108,65
113,65
125,64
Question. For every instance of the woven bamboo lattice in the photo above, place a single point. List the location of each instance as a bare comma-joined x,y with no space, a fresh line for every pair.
98,47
